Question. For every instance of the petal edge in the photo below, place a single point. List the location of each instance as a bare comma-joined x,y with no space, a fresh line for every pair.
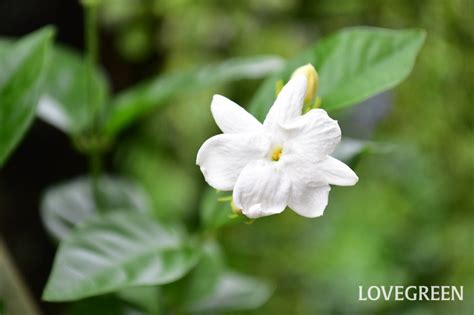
262,189
231,118
288,104
222,157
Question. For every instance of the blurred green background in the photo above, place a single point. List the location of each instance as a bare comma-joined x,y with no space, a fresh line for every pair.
408,221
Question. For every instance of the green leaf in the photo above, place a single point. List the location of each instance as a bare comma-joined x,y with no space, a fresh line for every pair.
22,64
233,291
146,298
70,203
202,280
115,251
64,103
172,199
5,44
352,64
216,210
103,305
211,287
350,149
133,103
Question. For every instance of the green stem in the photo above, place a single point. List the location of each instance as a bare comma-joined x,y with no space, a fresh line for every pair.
91,32
92,51
95,169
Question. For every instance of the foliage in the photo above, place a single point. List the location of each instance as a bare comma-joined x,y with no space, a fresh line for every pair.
64,103
111,240
111,248
21,81
118,250
121,237
352,65
68,204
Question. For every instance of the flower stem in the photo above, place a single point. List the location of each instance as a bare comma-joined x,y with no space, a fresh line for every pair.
92,52
91,32
95,169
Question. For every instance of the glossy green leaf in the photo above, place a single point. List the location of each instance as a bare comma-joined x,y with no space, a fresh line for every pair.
147,298
21,78
115,251
201,281
211,287
233,291
353,65
133,103
70,203
65,103
216,210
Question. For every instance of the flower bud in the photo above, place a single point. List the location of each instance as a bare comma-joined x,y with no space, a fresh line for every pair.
312,81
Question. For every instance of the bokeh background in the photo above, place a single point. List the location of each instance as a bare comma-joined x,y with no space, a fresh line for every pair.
409,220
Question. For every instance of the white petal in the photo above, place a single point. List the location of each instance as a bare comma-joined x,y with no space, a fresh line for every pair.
336,172
223,157
289,103
231,118
262,189
312,136
309,201
309,189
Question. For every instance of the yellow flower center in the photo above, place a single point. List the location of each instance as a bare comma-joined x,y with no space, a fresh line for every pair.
276,154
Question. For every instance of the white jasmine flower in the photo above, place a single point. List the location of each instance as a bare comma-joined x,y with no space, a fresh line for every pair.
283,162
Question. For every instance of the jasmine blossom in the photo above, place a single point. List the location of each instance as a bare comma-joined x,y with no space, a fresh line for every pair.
283,162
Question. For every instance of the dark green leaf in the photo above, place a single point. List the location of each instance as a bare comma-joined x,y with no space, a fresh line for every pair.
65,103
216,210
115,251
23,64
210,287
202,280
133,103
233,291
68,204
353,65
146,298
104,305
205,277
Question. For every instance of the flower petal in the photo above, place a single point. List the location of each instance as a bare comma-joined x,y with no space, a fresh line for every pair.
223,157
309,201
289,103
309,188
231,118
312,136
337,173
262,189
